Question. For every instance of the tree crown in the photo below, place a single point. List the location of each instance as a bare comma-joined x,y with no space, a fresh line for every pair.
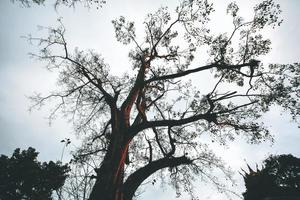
159,111
22,176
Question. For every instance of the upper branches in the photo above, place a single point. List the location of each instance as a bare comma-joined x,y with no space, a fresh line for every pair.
87,90
159,111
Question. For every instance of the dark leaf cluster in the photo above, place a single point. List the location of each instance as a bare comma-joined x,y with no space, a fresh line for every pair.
22,176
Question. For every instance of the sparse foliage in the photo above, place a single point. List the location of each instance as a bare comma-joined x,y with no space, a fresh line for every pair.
154,118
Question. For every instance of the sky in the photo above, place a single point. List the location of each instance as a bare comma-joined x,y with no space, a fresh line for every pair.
21,76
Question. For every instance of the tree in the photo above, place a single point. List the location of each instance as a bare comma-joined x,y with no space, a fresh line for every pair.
153,118
23,177
279,177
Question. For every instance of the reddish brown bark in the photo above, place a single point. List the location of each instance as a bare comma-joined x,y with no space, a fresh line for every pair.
110,176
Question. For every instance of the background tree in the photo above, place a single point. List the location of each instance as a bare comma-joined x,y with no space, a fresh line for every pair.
278,178
23,177
153,118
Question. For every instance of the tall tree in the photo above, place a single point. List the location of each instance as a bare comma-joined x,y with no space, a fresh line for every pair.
153,118
23,177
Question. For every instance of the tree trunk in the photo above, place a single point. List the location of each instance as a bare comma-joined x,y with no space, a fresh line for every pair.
110,176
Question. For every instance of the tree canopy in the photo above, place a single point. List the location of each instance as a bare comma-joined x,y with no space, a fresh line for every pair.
279,177
22,176
153,118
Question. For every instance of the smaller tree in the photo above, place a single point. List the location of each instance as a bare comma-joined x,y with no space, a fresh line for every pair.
23,177
279,177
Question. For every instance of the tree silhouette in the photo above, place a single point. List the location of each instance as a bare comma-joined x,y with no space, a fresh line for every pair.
153,118
23,177
279,178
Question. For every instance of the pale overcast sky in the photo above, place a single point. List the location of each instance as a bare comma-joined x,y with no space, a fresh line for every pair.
20,76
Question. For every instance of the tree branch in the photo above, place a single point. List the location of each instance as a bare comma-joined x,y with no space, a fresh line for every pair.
135,179
202,68
171,122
